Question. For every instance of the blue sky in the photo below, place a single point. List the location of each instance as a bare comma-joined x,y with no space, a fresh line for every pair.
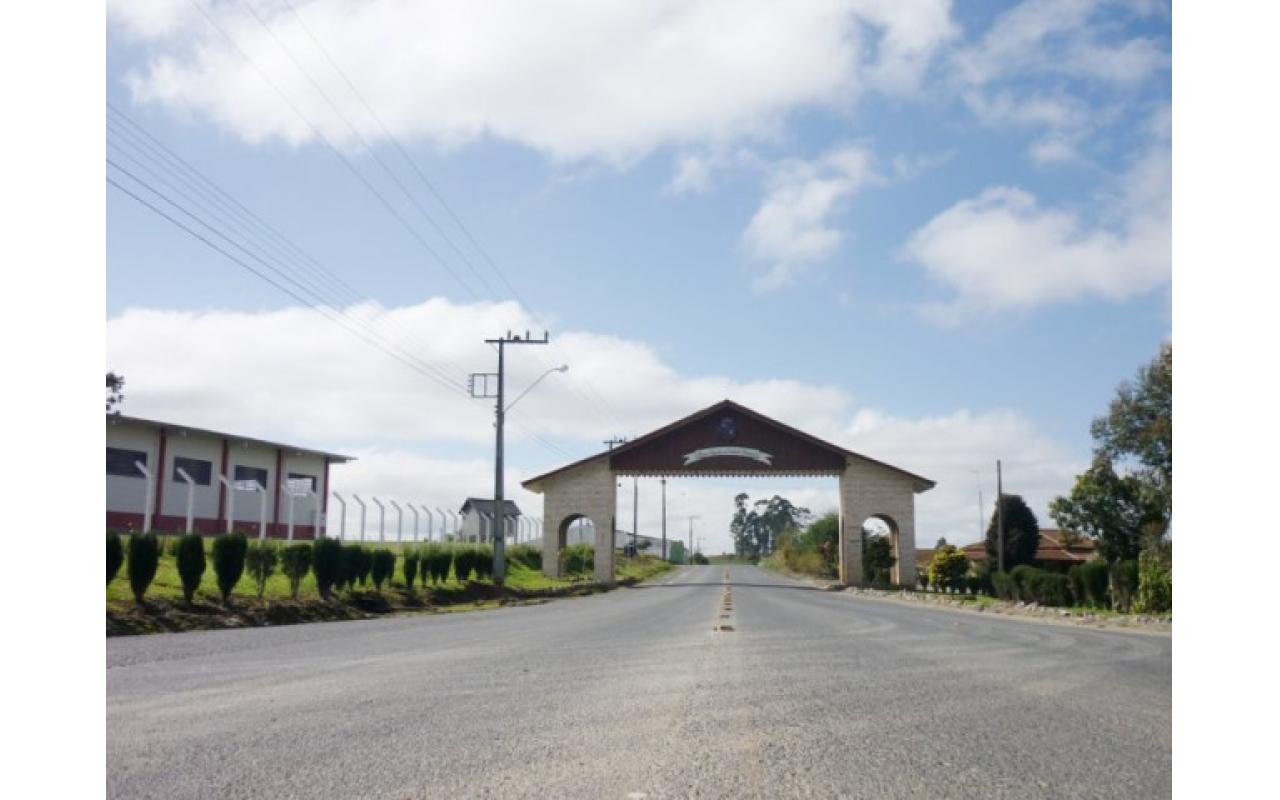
936,234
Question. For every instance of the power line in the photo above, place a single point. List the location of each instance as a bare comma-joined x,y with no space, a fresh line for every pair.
593,401
191,177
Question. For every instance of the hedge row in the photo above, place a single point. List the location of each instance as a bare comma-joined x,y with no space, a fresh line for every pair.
336,565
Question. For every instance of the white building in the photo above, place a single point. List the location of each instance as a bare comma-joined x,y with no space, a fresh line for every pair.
477,519
268,480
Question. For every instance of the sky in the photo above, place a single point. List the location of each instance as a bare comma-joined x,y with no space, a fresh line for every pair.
937,234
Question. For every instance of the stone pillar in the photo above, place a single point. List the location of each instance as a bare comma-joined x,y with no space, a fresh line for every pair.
586,490
851,517
870,489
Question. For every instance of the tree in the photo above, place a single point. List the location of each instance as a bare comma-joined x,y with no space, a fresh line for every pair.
326,563
143,559
948,566
295,563
228,561
1113,510
1021,534
261,563
115,392
877,558
115,555
191,564
1138,427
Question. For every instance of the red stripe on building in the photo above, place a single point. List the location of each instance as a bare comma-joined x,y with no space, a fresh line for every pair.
222,487
275,512
164,440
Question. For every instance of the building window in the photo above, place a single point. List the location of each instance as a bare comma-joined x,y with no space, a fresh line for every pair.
201,472
310,479
121,462
249,478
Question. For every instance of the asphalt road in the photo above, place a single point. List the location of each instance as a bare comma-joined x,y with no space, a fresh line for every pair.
632,694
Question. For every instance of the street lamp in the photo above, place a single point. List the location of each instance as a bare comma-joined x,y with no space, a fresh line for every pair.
561,368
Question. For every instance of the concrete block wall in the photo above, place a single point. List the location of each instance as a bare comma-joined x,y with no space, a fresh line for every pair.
868,489
587,490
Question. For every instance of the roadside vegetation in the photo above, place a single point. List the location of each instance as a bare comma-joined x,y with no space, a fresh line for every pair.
198,582
1123,503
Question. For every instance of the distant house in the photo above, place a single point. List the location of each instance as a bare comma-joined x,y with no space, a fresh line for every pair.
1057,550
477,519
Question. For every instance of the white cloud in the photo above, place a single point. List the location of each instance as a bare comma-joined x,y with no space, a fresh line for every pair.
1003,250
608,81
290,375
1074,43
1063,37
949,449
792,229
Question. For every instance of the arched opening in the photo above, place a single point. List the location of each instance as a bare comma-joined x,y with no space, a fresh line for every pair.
881,554
575,540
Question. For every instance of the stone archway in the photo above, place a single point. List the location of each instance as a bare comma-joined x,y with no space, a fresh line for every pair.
728,439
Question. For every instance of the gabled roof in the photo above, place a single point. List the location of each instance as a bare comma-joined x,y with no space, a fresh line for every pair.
485,506
173,427
922,483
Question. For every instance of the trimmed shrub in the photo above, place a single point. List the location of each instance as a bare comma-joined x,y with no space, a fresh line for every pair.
483,563
191,564
464,559
364,564
350,566
143,558
1003,586
383,566
228,561
260,561
295,563
437,559
115,555
1076,577
1155,580
410,567
1023,577
1124,584
326,556
526,555
948,566
1052,589
1095,578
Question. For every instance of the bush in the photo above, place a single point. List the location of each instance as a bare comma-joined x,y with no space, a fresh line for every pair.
295,563
698,558
1076,577
528,556
437,559
410,567
922,579
143,558
191,564
1051,589
115,555
1022,576
1095,578
383,565
261,560
580,558
483,562
1155,580
350,566
1124,583
171,546
1003,586
464,563
228,561
948,566
364,565
326,556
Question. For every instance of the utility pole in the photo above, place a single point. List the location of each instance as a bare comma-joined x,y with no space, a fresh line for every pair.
692,517
635,514
499,409
1000,515
663,481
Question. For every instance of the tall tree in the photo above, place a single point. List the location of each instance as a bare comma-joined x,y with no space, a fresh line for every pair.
115,392
775,515
1138,428
739,527
1021,533
1114,510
